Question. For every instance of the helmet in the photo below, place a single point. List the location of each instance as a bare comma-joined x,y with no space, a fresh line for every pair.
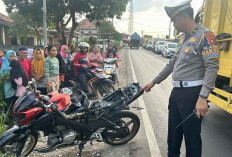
83,44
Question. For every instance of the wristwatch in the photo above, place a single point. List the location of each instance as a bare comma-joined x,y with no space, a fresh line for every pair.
203,97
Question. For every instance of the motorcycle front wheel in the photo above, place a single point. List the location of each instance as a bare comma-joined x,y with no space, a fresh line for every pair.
9,149
124,119
104,89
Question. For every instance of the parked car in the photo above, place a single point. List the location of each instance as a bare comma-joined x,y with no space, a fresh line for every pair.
169,49
149,45
158,46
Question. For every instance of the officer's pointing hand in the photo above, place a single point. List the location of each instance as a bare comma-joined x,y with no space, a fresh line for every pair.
148,87
202,107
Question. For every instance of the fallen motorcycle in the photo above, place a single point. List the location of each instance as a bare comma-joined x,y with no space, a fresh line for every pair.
69,116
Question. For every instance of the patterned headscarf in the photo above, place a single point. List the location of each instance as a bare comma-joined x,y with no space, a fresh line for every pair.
38,65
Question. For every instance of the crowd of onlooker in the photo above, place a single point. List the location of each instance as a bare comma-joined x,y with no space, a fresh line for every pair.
50,67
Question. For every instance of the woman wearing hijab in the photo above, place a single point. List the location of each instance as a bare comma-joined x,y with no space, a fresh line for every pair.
95,57
64,51
62,57
9,91
18,78
37,65
38,70
46,53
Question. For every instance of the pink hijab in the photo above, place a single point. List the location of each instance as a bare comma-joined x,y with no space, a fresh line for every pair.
62,53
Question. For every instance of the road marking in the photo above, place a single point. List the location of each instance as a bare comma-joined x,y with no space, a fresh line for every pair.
152,142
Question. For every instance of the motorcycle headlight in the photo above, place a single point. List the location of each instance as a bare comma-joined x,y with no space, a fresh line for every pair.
108,72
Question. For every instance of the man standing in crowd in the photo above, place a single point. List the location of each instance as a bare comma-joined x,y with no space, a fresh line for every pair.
24,61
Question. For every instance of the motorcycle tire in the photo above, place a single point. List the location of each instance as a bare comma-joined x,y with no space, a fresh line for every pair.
108,87
33,137
116,119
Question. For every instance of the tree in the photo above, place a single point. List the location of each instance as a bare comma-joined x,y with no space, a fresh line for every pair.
18,27
61,12
107,30
23,26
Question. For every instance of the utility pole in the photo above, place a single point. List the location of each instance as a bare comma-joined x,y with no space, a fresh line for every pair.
131,19
142,33
169,33
45,22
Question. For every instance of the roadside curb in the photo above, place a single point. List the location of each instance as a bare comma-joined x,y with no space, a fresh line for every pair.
153,146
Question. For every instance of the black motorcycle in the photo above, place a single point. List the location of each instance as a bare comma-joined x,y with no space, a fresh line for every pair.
99,84
104,120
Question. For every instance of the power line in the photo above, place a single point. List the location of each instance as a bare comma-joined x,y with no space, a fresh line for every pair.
150,26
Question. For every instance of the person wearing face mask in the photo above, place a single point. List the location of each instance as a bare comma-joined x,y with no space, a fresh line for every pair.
9,91
80,64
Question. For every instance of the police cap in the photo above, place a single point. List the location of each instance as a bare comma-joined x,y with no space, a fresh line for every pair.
173,11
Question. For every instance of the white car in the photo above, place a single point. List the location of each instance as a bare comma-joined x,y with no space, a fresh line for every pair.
169,49
159,46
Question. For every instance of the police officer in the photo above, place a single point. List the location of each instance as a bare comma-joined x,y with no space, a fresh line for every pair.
194,69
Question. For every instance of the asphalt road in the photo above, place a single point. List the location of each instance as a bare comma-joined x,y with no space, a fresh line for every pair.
216,127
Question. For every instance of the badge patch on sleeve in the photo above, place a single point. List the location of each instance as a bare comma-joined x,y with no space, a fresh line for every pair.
210,52
181,41
210,37
192,39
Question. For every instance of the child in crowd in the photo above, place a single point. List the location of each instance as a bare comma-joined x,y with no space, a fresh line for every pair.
52,70
112,53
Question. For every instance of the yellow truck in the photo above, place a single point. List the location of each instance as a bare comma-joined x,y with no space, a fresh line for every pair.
217,16
147,42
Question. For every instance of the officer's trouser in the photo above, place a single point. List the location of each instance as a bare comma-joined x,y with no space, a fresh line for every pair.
181,103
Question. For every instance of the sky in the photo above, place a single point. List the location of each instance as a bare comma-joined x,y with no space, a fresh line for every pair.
149,16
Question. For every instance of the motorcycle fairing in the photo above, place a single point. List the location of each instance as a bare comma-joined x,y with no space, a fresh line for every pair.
9,135
62,100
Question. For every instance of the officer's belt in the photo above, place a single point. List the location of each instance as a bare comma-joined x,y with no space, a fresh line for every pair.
187,83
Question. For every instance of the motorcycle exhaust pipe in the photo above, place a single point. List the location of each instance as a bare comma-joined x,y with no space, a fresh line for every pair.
74,115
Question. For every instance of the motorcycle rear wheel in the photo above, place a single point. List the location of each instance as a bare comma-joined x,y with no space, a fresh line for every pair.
27,148
134,120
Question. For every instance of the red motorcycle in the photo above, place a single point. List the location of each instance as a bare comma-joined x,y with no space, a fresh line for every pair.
68,117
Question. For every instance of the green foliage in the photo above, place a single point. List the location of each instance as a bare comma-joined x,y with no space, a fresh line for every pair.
19,28
3,127
107,30
61,12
